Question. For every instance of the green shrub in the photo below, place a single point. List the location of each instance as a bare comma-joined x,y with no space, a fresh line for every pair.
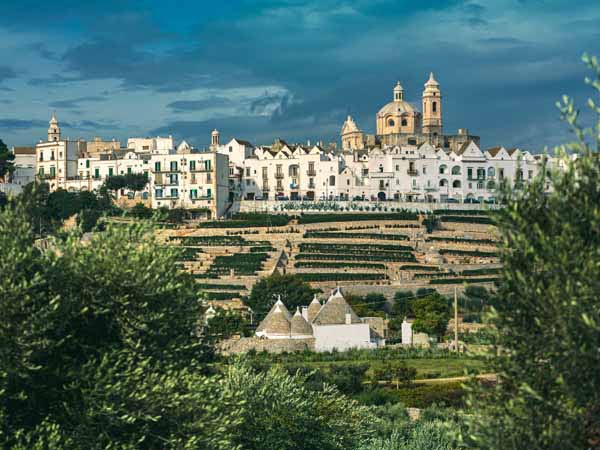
468,219
458,252
332,235
243,220
351,217
336,265
317,277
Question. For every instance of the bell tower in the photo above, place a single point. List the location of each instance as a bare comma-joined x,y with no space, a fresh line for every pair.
432,108
53,129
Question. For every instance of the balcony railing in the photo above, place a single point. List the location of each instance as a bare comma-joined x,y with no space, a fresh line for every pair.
265,189
279,175
311,173
412,172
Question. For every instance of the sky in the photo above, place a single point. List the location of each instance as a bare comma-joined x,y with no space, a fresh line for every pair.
293,69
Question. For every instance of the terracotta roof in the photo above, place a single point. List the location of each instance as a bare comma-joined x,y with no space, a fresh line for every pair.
493,151
299,325
462,148
334,311
24,150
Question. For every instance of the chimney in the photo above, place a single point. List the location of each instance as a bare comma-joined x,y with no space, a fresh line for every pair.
348,318
305,312
308,143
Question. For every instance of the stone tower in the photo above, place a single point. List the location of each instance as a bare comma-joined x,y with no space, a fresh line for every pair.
53,129
215,138
352,137
432,108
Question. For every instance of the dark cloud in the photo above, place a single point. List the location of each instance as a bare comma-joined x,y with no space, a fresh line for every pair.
76,102
6,73
21,124
199,105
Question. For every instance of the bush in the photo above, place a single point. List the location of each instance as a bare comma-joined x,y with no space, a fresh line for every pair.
319,277
337,265
244,220
318,218
467,219
380,236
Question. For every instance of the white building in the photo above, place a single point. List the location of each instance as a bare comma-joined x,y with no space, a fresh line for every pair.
155,145
332,325
24,164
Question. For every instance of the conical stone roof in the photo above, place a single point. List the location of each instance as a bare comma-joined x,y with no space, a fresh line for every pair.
334,311
313,308
276,323
299,325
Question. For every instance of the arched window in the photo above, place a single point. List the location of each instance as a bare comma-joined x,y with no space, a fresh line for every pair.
480,174
443,182
404,122
491,185
443,169
491,172
456,170
456,184
480,185
391,122
434,106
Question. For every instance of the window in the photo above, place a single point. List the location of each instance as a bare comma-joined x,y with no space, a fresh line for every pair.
397,168
265,173
424,170
41,172
434,106
193,193
332,180
157,166
173,178
96,173
279,170
110,171
404,122
231,171
380,167
481,174
311,167
52,171
247,171
365,172
442,169
87,163
129,171
207,165
456,170
391,122
209,193
456,184
145,147
501,174
192,165
480,185
158,193
230,149
491,172
173,166
348,182
530,174
469,173
174,193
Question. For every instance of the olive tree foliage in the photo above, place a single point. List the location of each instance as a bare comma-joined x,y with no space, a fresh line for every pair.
98,346
547,311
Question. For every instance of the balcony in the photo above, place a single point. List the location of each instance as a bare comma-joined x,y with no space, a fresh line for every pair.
311,172
412,172
431,189
265,189
279,175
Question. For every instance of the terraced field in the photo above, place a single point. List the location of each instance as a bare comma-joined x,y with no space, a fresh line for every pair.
381,253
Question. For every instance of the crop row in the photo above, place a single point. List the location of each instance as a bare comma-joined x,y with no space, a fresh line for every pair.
222,295
336,265
462,280
334,235
241,264
350,217
457,252
220,286
316,277
389,257
462,212
417,267
323,247
243,220
468,219
460,240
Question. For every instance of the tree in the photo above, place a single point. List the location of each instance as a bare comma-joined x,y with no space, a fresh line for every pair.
226,323
401,307
132,181
291,288
547,313
432,314
6,160
90,360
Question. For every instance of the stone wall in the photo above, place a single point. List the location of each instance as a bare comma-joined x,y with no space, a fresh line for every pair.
242,345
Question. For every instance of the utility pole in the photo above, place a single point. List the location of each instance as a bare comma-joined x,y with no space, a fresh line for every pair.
455,319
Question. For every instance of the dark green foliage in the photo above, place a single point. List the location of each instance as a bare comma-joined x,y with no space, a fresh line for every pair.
240,263
547,313
468,219
353,217
245,220
431,315
337,265
340,276
393,373
321,247
401,307
347,378
432,223
132,181
418,267
462,212
291,288
225,324
341,235
6,160
372,304
460,280
140,211
458,252
222,295
462,240
380,256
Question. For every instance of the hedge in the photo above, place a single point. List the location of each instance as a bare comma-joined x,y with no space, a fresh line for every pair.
330,235
463,280
341,276
242,220
352,217
220,286
323,247
482,271
189,253
222,295
341,265
457,252
466,240
462,212
262,249
389,257
468,219
219,241
416,267
241,263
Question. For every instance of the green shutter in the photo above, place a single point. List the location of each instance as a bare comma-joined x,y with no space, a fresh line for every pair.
97,173
157,166
209,192
110,171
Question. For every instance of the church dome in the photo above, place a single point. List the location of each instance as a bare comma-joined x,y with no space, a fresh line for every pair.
396,108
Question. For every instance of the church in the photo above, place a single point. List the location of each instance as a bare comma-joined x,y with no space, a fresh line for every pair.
400,123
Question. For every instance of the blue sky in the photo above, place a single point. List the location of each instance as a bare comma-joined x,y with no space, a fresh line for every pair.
292,69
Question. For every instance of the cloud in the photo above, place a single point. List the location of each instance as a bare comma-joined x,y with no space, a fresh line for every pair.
198,105
76,102
6,73
21,124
